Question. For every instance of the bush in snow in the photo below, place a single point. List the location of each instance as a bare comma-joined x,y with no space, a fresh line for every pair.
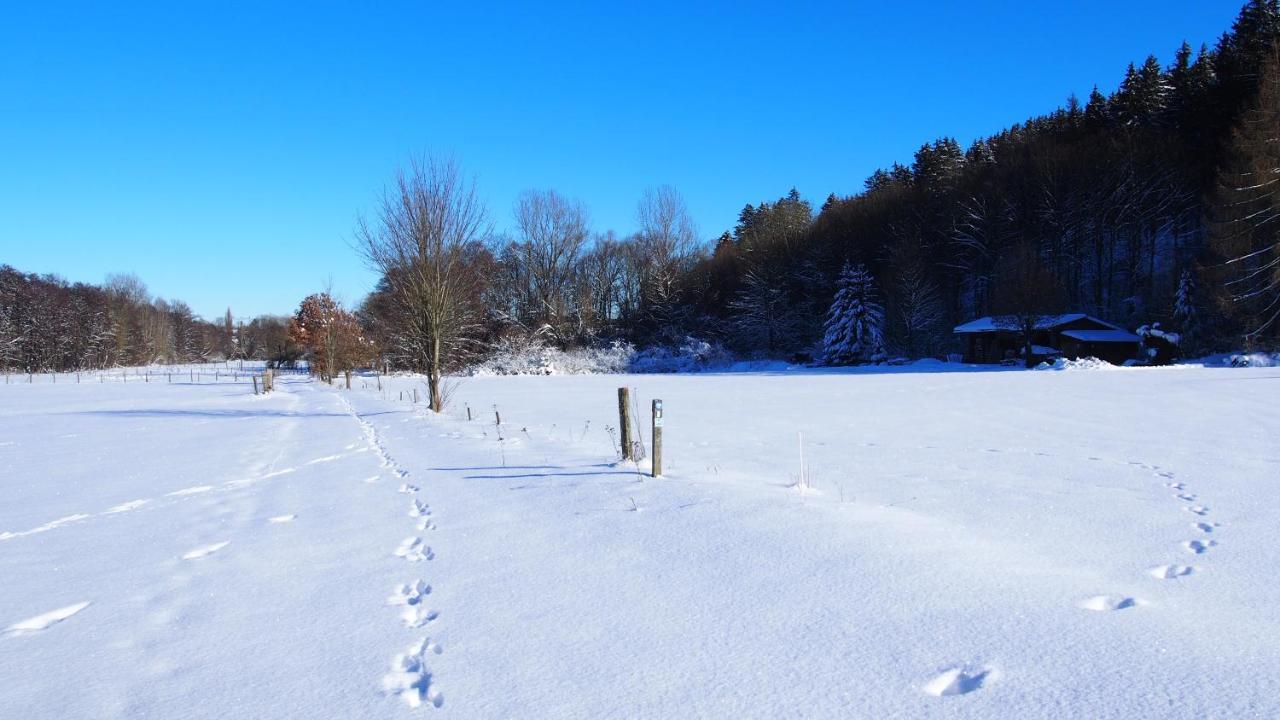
690,355
854,331
518,355
1253,360
1159,347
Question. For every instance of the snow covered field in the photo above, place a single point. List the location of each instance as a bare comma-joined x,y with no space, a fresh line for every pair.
1100,544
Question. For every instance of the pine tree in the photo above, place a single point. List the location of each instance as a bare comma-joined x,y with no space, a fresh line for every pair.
1248,208
1097,112
1185,312
854,330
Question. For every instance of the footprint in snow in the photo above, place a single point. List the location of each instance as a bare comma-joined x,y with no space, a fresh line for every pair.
45,620
1175,486
126,507
1106,603
409,677
191,491
1199,547
1169,572
409,593
1188,497
958,681
419,509
1203,527
413,550
1197,510
426,524
407,488
204,550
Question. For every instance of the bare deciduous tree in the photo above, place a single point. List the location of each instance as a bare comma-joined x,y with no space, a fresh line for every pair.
428,230
553,231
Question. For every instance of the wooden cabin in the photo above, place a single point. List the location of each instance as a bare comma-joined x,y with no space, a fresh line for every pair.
1073,336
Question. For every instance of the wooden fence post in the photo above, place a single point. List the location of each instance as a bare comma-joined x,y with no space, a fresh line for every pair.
656,450
255,384
415,396
624,421
468,413
348,374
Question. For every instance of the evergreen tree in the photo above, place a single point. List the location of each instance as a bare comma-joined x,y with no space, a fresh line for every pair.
1097,112
1185,313
854,330
1248,210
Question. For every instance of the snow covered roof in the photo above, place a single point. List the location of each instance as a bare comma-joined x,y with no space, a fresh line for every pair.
1101,336
1048,322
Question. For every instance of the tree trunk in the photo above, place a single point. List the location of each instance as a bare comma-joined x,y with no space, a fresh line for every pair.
433,377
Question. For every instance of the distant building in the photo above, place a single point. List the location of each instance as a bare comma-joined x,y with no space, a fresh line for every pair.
987,340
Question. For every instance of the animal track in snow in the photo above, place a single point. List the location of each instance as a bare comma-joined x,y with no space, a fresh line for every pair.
204,550
426,524
1189,497
1105,603
416,616
413,550
125,507
409,593
1199,547
45,620
282,519
407,489
1203,527
1169,572
52,524
1197,510
419,509
1175,486
190,491
325,459
409,677
958,681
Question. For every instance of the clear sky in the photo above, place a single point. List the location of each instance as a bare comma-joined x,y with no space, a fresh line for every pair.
222,151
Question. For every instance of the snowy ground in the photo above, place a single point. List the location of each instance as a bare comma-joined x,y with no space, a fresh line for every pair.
1097,544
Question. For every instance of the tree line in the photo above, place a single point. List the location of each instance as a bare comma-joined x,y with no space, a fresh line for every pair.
49,324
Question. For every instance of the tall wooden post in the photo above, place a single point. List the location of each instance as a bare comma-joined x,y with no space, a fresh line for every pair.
348,375
624,421
255,384
656,450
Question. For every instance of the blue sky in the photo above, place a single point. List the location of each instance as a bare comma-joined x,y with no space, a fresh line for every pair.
222,151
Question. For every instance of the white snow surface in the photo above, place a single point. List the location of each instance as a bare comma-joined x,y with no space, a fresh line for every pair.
972,544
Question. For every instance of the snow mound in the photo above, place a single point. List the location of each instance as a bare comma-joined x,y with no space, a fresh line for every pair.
1255,359
1087,363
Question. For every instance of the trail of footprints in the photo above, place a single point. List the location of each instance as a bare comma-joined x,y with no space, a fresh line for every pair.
961,680
410,677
